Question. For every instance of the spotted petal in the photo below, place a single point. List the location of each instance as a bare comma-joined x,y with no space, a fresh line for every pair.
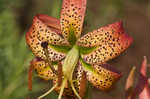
108,41
72,17
42,30
43,70
80,77
102,76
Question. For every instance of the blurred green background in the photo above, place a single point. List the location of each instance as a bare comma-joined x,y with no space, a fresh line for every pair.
16,17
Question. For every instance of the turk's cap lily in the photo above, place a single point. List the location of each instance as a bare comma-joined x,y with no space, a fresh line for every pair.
95,47
54,40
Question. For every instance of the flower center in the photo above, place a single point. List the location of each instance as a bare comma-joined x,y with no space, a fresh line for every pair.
70,62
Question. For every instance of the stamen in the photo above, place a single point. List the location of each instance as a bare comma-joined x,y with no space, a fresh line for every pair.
44,44
82,89
45,48
62,88
30,77
60,73
49,91
74,90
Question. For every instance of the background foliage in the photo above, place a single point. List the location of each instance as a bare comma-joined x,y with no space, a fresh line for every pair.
16,18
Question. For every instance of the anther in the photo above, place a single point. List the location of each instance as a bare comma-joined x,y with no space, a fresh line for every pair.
44,44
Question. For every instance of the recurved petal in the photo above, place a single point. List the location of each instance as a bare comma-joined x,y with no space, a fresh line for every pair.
72,16
42,68
40,32
102,76
51,22
110,41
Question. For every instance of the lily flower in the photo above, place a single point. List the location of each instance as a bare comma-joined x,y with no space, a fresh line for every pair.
69,58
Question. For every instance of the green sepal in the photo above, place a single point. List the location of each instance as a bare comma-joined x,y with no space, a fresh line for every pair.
62,48
86,66
86,50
